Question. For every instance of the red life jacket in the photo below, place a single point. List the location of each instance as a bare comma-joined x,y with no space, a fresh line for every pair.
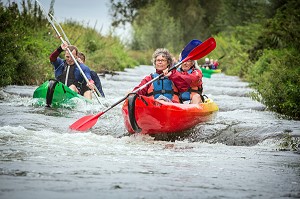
188,95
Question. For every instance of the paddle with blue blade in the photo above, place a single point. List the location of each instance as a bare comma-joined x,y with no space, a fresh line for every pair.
189,47
87,122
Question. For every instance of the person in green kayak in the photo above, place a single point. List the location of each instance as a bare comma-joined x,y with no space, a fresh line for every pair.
206,63
95,77
68,73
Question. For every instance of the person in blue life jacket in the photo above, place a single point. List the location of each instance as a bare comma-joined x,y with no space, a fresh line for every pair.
168,86
194,94
67,72
95,77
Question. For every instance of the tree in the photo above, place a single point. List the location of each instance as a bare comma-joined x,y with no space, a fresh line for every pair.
125,11
239,12
154,28
189,15
194,19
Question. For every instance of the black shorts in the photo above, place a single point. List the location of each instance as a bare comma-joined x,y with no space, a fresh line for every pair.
83,88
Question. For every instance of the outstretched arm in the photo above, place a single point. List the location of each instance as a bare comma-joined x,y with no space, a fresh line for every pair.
55,54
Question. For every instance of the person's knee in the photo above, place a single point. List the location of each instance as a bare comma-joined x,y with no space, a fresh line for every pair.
88,94
196,99
73,88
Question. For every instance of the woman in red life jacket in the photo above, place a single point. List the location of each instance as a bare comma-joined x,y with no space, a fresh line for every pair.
168,86
194,93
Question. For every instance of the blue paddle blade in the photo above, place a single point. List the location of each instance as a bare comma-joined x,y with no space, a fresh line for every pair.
188,48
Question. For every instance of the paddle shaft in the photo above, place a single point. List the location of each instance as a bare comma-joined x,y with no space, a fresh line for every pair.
62,40
87,122
63,32
200,51
193,56
135,91
156,78
66,38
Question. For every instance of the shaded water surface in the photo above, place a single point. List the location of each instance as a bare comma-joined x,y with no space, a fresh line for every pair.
236,155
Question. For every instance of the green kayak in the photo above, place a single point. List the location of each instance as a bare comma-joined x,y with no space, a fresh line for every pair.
55,94
207,75
208,72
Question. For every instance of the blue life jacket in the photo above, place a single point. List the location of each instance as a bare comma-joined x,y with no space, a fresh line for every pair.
162,86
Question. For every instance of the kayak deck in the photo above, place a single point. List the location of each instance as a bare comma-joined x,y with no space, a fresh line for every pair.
56,94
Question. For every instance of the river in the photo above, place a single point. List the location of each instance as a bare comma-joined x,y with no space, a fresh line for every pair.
236,155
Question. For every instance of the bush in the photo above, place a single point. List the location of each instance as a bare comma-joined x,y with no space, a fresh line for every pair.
232,48
24,41
276,77
102,53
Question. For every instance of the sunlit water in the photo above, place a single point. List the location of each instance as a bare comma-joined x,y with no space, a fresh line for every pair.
236,155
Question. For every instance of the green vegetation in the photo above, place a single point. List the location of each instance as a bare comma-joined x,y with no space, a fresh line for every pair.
23,40
267,55
275,71
277,81
102,53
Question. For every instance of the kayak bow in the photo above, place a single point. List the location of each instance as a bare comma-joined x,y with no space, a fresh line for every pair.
55,94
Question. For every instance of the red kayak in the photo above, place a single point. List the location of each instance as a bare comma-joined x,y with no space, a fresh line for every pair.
148,116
